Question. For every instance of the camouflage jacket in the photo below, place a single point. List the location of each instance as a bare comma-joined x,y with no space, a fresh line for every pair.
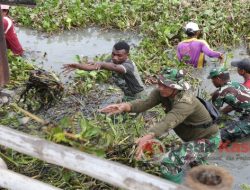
235,95
184,113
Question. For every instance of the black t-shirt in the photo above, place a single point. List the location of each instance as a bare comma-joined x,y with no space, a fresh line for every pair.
130,82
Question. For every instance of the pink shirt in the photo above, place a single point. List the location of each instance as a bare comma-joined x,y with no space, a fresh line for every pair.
194,50
11,38
247,83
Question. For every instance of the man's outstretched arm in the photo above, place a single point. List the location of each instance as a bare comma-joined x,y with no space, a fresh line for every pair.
116,108
94,66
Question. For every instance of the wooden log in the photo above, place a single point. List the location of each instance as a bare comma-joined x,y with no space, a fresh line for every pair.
4,67
2,164
15,181
107,171
18,2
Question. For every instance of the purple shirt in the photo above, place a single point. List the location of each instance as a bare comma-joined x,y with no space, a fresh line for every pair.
195,50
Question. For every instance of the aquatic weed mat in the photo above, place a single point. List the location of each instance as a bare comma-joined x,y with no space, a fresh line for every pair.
98,135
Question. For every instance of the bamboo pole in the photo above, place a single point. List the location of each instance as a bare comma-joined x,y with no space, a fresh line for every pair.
15,181
32,116
107,171
2,164
18,2
4,67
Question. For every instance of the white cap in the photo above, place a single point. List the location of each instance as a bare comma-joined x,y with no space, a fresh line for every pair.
5,7
193,26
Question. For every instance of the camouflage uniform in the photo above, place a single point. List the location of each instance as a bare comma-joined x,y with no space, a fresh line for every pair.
187,116
189,152
238,97
236,129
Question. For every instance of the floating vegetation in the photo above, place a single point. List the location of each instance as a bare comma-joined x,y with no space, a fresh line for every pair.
159,22
19,70
79,125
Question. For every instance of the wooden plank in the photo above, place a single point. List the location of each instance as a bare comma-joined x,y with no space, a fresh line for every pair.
110,172
15,181
2,164
4,67
18,2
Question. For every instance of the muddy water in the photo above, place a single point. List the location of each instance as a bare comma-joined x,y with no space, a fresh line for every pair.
236,160
235,54
52,52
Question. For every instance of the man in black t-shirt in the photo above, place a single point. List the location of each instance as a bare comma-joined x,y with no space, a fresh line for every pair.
124,71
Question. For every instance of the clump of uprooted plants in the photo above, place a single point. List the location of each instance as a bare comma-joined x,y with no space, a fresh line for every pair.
43,90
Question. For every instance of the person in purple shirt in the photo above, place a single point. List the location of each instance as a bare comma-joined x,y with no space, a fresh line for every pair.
192,50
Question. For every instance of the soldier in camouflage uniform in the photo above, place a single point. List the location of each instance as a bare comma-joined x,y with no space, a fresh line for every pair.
185,114
237,97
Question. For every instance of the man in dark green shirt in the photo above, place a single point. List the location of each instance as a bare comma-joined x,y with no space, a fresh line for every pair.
185,114
124,71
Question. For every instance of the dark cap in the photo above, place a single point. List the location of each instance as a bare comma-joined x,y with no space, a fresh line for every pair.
242,64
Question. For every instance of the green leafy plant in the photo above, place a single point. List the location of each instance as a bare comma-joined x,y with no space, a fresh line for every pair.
245,187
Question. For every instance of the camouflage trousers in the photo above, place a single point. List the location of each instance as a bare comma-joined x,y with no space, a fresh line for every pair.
236,129
194,151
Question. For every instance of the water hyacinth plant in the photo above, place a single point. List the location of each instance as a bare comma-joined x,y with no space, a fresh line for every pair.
160,23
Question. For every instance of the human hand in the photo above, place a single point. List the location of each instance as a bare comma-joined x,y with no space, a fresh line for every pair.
91,62
116,108
140,144
221,58
151,80
69,67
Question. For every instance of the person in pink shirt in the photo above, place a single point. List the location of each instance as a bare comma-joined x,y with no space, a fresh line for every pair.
192,50
12,41
243,70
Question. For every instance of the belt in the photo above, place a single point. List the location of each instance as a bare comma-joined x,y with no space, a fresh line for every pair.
203,126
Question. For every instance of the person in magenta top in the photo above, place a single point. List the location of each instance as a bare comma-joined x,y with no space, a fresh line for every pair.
243,70
192,50
12,41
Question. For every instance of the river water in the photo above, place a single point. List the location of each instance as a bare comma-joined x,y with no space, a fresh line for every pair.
52,52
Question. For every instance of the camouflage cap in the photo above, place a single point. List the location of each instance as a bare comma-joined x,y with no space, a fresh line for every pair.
216,72
173,78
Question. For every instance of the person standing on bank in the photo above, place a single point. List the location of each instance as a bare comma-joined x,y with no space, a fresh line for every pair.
185,114
192,50
237,97
12,41
124,71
